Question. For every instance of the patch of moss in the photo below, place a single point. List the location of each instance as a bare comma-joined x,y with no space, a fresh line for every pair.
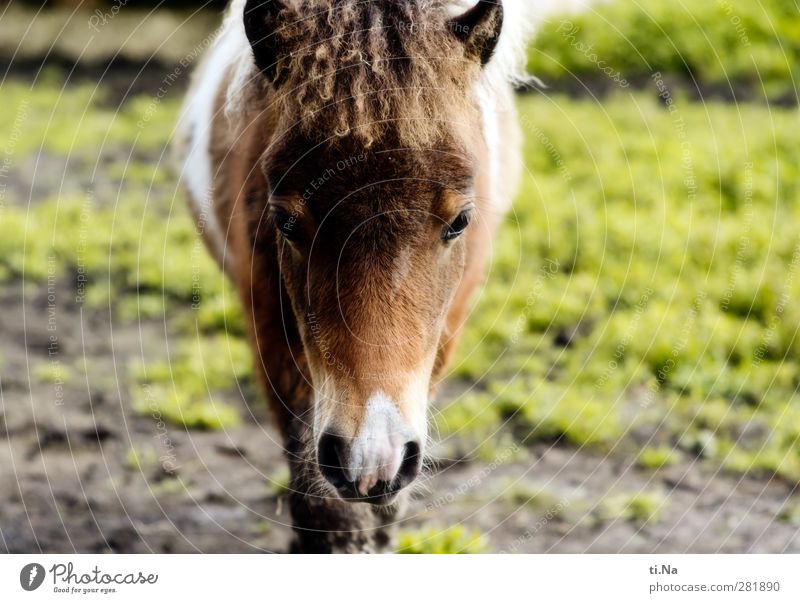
538,499
656,458
640,507
790,513
445,541
141,458
279,483
51,372
184,390
734,43
666,304
193,411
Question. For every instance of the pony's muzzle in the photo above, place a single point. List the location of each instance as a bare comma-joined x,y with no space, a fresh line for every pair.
369,470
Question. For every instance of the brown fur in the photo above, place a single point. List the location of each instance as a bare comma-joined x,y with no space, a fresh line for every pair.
357,68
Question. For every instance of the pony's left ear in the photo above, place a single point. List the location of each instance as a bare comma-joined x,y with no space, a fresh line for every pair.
263,20
479,29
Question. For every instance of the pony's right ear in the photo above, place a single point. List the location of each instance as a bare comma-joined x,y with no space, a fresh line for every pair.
479,29
262,21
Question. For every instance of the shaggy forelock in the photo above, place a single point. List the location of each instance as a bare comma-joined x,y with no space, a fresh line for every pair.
371,69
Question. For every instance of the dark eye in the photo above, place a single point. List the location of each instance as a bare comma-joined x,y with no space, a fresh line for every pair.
457,227
285,222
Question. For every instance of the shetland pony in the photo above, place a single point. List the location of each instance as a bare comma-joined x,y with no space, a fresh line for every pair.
348,162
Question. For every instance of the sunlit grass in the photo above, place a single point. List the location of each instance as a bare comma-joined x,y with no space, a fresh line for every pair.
185,388
671,304
640,507
736,45
442,541
51,372
656,458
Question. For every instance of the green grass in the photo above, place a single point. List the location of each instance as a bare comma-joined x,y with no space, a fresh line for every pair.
279,483
187,388
727,44
133,249
671,306
76,120
790,513
442,541
51,373
538,499
142,459
639,508
656,458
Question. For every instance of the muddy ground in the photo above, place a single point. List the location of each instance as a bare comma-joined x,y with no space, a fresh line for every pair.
68,483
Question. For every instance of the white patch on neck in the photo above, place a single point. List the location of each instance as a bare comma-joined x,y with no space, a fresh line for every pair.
196,121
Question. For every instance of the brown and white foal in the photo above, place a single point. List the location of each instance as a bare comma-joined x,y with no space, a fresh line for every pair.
348,162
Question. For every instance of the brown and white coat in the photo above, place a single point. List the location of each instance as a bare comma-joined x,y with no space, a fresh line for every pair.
333,152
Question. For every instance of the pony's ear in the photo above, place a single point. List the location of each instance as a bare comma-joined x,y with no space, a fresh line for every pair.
262,21
479,29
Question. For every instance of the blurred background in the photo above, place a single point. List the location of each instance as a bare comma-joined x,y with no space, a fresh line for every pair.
628,378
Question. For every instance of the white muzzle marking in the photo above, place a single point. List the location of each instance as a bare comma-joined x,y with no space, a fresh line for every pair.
377,451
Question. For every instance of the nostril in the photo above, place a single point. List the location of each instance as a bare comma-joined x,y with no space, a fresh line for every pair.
331,449
411,464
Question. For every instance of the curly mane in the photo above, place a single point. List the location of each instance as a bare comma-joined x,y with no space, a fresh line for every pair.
366,68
